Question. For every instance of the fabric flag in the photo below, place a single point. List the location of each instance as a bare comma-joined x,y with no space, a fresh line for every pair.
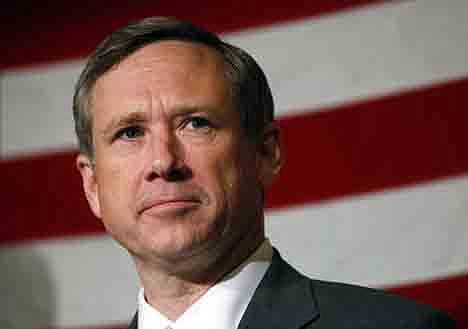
371,99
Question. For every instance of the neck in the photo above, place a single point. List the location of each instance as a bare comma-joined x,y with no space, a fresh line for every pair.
173,289
171,295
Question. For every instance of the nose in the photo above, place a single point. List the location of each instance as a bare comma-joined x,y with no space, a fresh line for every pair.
166,161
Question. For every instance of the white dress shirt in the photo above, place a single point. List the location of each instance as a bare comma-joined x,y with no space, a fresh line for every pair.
222,306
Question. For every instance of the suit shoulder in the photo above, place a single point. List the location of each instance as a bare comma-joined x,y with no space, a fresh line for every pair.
372,308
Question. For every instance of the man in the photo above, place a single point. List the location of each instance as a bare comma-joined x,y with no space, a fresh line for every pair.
177,147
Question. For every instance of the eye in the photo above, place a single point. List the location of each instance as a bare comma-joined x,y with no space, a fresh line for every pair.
197,123
129,133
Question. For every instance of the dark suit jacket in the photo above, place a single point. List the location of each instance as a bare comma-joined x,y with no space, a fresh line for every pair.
285,299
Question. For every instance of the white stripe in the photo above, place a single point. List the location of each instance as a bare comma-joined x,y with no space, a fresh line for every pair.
312,64
36,109
67,283
377,240
316,63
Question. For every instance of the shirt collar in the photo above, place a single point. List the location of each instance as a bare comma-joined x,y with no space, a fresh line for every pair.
222,306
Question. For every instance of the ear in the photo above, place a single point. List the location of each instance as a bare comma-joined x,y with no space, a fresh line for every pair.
90,186
270,154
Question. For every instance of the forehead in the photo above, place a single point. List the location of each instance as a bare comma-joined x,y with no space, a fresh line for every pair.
165,77
166,64
174,51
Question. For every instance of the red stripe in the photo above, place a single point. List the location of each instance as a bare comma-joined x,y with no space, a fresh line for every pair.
448,294
385,143
43,198
37,33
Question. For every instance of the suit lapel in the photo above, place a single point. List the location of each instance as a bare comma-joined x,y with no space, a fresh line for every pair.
283,299
134,323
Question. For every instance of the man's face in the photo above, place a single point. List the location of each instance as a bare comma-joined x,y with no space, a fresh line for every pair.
174,175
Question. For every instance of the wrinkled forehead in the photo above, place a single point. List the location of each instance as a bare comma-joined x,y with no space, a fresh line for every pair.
174,73
163,60
175,51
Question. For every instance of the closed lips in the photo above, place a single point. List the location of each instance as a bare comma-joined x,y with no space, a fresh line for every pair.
167,201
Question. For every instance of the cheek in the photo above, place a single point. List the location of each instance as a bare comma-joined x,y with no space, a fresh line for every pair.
225,174
214,172
117,184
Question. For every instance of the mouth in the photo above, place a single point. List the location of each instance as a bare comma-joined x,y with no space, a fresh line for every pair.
169,206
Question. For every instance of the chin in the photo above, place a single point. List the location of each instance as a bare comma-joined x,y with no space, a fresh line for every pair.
169,247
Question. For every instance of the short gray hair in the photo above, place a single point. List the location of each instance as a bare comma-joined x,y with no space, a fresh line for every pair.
251,92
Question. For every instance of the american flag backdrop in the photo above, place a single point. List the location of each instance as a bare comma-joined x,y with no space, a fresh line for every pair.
372,100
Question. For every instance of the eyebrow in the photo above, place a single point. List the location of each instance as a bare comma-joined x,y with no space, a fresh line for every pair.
139,116
128,119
